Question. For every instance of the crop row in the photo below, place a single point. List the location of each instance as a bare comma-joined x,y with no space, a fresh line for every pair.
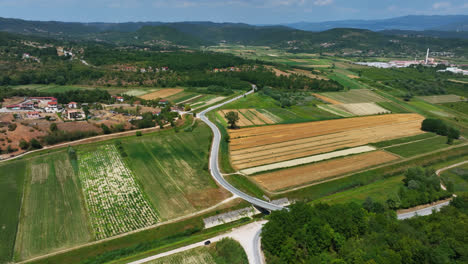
115,202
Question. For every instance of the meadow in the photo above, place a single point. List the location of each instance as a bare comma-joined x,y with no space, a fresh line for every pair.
11,186
458,177
420,147
172,170
53,215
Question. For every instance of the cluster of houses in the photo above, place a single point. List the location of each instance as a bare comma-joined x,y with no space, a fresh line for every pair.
232,69
35,106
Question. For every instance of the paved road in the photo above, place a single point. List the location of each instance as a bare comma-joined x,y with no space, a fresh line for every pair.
214,164
245,235
424,211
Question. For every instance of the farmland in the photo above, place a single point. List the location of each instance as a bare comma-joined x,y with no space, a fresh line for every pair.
354,97
251,147
361,109
171,168
163,93
53,214
420,147
114,200
11,185
251,117
288,178
440,99
199,255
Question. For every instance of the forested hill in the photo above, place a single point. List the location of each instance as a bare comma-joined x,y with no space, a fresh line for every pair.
196,34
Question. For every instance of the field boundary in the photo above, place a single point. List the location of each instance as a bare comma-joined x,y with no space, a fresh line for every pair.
185,217
273,193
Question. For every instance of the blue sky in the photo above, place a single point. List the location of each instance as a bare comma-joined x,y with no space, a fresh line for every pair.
248,11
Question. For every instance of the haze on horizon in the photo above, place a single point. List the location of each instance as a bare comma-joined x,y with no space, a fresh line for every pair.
246,11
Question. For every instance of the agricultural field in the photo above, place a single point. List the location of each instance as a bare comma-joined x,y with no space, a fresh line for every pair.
114,200
460,107
440,99
50,88
205,101
200,255
361,109
353,97
256,146
11,186
283,179
172,170
309,159
163,93
53,215
378,191
420,147
250,117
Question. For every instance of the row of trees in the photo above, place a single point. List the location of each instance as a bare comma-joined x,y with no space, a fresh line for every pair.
350,233
440,128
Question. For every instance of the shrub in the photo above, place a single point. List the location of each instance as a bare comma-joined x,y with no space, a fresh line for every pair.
23,144
35,144
138,134
12,127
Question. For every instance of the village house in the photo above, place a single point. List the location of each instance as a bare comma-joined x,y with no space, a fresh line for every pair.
163,102
73,105
52,107
74,114
33,115
119,99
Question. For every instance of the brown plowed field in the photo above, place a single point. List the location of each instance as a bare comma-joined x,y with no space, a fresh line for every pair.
319,171
163,93
326,99
248,117
250,147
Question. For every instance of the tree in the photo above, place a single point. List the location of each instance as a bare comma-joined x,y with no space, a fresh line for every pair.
35,144
23,144
138,134
105,129
232,118
53,127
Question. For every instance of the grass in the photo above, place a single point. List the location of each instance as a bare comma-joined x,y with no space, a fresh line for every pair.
11,186
50,88
459,177
420,147
460,107
378,191
393,107
172,170
392,142
224,161
53,215
255,100
346,81
242,183
225,251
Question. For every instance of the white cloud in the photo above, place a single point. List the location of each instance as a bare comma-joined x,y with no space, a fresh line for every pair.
441,5
323,2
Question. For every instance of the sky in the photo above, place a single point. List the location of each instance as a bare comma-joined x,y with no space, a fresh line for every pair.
246,11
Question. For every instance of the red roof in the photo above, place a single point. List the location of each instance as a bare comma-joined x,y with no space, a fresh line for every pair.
33,113
72,103
52,103
13,106
119,97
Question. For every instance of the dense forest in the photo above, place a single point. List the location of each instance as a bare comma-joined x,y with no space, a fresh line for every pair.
349,233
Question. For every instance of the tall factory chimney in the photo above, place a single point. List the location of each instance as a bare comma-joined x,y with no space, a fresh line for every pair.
427,56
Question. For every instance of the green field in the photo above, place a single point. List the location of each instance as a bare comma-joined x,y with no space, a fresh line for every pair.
420,147
50,88
11,186
378,191
458,177
172,170
347,82
53,215
460,107
355,96
393,107
224,251
397,141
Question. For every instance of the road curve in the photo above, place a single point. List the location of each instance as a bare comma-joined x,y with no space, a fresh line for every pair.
214,157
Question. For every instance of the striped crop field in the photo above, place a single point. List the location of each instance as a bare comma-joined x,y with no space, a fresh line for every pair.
256,146
115,202
250,117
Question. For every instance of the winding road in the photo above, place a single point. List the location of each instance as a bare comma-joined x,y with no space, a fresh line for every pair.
214,157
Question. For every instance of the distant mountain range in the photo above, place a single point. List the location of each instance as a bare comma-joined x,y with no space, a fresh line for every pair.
196,34
413,23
